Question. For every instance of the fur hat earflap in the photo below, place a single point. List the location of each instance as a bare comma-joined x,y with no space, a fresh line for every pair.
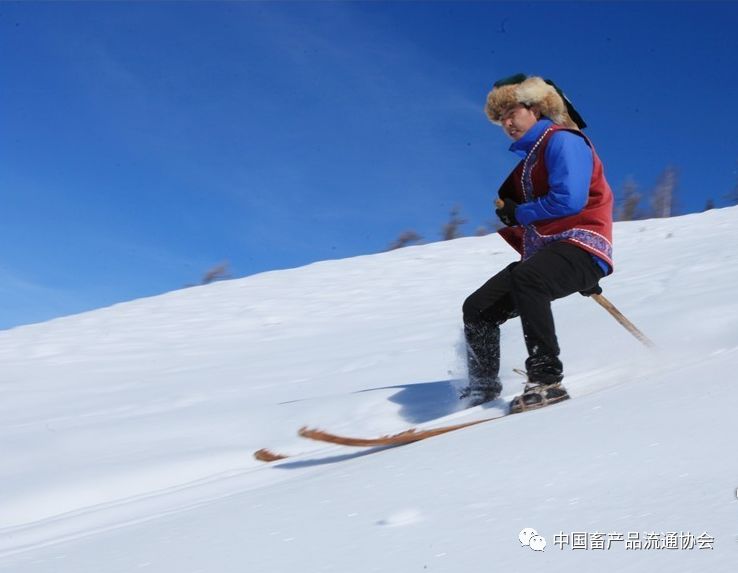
532,91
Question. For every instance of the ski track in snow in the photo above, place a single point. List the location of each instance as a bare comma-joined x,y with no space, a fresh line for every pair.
128,432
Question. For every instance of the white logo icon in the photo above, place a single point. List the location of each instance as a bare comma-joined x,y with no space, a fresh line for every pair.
526,534
529,537
537,543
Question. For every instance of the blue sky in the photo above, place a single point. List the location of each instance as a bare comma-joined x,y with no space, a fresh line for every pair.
142,143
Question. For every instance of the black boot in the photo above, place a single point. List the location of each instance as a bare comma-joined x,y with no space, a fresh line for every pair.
544,369
483,362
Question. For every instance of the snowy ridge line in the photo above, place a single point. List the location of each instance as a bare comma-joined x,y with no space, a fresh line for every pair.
108,516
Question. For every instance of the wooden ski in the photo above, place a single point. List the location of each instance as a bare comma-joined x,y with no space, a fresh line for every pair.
399,439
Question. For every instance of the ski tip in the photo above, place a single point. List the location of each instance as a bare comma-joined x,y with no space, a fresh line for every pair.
306,432
265,455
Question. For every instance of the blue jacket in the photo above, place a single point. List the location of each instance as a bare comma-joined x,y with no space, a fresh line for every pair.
569,163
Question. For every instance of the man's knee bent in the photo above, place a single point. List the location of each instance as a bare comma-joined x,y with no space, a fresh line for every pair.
472,310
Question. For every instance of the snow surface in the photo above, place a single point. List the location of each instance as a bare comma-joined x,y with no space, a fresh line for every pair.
126,434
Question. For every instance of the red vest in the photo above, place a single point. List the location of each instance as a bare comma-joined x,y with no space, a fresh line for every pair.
590,229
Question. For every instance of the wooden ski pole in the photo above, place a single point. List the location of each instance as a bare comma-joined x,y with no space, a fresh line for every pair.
629,326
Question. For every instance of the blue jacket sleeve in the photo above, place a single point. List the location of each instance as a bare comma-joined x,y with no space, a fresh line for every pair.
569,163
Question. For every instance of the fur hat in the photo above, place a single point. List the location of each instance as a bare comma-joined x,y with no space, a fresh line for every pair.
532,91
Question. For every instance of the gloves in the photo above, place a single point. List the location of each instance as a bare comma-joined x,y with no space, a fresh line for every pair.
506,211
596,289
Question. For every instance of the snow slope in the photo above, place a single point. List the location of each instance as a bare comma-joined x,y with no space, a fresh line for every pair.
126,433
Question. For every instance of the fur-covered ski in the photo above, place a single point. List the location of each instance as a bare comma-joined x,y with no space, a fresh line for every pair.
402,438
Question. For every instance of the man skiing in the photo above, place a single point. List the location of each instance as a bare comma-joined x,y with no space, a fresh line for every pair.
557,206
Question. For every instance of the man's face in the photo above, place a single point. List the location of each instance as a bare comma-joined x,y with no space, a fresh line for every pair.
517,120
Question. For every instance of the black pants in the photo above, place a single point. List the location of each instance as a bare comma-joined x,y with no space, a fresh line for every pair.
525,289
